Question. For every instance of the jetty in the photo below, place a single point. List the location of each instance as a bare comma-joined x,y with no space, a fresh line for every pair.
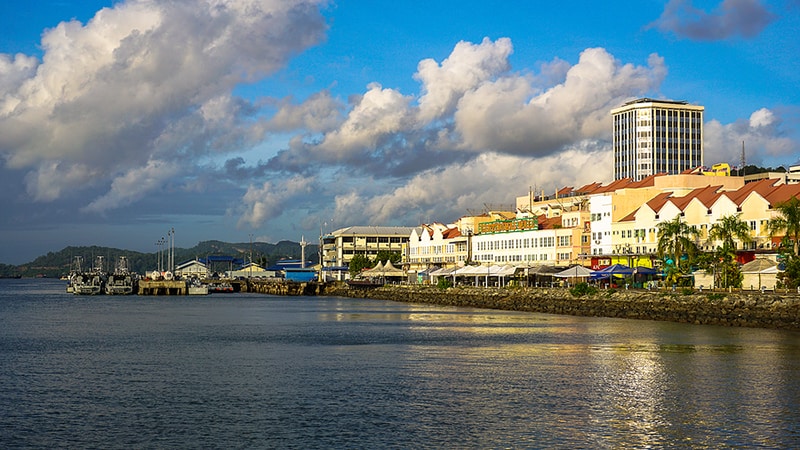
162,287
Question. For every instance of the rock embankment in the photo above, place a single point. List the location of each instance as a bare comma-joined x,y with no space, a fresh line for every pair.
762,310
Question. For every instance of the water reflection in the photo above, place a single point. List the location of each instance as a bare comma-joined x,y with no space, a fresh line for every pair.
272,372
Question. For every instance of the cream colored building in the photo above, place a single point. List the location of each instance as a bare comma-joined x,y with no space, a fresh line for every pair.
339,247
436,245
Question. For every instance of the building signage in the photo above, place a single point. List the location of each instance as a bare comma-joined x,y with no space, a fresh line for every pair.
506,226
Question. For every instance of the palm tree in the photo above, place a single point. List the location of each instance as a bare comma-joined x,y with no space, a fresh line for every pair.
728,230
788,222
675,239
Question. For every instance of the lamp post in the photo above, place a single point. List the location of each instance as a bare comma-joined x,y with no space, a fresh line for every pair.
250,275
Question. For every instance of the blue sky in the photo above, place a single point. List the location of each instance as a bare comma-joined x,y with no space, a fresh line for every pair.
230,118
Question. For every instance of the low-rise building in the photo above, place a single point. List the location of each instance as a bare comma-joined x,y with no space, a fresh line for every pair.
340,246
193,268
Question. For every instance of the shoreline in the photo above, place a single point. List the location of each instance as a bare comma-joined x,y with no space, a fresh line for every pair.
736,309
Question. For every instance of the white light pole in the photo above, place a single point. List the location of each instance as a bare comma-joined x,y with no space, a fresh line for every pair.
251,256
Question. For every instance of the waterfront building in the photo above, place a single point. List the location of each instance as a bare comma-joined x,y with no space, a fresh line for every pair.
436,245
339,247
250,270
527,241
192,268
656,136
636,234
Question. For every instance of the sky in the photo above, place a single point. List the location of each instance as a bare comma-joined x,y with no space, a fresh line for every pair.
271,120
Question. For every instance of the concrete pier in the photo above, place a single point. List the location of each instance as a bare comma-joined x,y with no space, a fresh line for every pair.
162,287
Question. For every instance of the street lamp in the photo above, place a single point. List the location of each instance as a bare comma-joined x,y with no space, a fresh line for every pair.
251,257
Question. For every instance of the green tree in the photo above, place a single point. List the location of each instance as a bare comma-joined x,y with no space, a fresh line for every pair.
790,277
677,239
787,223
728,230
385,255
357,264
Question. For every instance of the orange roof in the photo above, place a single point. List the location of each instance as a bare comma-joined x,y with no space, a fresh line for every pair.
546,223
648,181
630,217
564,191
762,187
783,193
613,186
706,196
589,188
451,233
657,202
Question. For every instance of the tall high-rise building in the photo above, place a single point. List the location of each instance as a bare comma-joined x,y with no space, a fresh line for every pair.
656,136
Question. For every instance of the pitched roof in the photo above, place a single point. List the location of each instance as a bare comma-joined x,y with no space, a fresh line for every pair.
546,223
648,181
783,193
451,233
630,217
657,202
762,187
589,188
706,196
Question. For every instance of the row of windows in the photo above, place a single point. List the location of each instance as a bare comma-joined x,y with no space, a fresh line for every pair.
376,240
435,249
510,244
518,258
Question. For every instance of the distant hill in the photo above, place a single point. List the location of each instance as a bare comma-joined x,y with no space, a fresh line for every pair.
59,263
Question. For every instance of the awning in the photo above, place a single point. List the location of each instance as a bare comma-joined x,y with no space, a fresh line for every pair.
575,272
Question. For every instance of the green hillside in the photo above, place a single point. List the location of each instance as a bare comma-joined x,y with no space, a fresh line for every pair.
56,264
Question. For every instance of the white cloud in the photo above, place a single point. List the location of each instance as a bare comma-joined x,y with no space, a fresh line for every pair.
378,113
268,201
761,134
507,116
471,104
446,193
134,185
762,118
319,113
467,67
52,179
145,81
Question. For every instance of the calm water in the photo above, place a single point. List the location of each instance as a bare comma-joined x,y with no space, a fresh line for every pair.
254,371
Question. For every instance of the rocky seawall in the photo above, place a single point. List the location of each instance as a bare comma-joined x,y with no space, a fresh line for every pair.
761,310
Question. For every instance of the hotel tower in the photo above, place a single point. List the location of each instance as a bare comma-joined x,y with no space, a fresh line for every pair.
656,136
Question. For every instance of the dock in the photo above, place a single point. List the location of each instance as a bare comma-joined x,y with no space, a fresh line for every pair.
162,287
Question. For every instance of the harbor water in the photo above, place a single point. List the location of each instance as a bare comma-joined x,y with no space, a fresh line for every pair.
259,371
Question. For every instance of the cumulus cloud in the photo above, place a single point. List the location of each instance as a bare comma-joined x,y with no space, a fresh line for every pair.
141,82
472,103
504,115
446,193
745,18
135,184
762,135
317,114
268,201
467,67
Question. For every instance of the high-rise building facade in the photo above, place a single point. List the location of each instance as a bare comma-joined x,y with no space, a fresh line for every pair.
656,136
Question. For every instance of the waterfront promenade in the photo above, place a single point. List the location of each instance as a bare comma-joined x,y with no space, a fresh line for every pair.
742,309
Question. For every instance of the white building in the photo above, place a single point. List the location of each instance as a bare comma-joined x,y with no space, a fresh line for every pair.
656,136
192,268
436,245
526,242
339,247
